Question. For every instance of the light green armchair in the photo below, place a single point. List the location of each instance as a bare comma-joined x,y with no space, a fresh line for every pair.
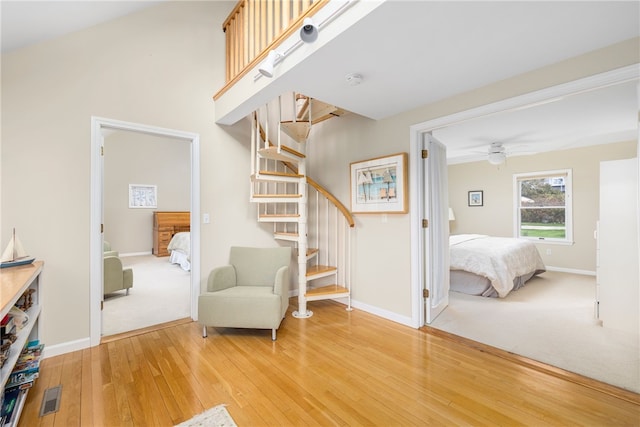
116,278
251,292
106,248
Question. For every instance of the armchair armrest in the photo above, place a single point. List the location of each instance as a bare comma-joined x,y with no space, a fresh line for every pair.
221,278
281,285
113,271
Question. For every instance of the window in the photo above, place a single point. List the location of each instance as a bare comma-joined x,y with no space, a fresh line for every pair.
543,206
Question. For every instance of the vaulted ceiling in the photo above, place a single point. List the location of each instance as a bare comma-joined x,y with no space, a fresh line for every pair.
413,53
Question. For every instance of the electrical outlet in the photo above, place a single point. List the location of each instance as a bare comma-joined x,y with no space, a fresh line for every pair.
548,251
205,218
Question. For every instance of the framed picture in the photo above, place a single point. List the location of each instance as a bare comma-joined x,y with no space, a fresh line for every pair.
475,198
143,196
380,185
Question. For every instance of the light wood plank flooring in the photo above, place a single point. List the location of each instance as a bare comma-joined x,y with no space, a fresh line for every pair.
335,368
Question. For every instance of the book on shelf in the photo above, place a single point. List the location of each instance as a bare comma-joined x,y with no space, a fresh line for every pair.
7,325
27,367
22,378
9,404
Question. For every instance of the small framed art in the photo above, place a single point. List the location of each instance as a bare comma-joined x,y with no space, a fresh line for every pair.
475,198
143,196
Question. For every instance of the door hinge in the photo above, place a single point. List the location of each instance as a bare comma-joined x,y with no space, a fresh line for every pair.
101,305
425,154
102,150
425,293
425,223
101,228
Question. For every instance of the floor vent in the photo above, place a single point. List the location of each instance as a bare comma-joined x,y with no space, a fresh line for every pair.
51,400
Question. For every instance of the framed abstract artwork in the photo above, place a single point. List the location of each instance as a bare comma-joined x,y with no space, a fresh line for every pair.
143,196
380,185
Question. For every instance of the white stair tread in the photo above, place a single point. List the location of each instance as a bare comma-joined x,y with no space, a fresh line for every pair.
278,217
326,292
285,155
291,237
318,271
298,131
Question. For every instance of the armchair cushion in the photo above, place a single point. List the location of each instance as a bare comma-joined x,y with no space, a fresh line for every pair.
251,292
116,278
106,248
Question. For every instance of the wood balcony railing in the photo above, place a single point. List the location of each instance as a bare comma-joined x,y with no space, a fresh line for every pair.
255,27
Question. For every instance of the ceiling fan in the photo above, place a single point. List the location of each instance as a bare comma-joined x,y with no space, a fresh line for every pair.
496,153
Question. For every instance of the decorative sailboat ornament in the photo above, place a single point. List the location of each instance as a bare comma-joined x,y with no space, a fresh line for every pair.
14,254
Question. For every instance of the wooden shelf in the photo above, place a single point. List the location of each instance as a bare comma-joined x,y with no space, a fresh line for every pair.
14,281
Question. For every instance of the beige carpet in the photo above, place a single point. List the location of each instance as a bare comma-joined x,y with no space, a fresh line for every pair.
550,320
160,294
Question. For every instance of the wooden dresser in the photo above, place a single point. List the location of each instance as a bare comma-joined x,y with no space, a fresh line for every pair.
165,225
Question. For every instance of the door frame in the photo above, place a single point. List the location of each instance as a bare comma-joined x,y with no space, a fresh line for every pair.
416,166
98,125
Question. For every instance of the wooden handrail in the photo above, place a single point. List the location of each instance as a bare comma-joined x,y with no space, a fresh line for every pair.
256,27
345,212
320,189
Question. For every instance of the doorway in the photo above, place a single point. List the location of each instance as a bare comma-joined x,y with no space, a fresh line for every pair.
100,126
417,168
144,174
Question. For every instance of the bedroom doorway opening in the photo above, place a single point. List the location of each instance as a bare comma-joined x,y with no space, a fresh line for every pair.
559,344
153,173
418,187
102,128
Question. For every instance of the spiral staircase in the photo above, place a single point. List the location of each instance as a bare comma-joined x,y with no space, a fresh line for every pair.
302,212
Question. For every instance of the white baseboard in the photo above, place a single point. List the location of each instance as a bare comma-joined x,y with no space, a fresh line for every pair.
376,311
67,347
135,254
571,270
385,314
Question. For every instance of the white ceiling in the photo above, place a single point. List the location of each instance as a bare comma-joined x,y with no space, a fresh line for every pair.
413,53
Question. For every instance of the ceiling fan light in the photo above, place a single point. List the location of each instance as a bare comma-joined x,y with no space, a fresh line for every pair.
497,158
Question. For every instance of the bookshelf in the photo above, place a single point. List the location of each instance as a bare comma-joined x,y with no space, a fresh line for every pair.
14,282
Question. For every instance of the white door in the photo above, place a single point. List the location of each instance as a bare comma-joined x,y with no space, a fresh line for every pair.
618,289
435,230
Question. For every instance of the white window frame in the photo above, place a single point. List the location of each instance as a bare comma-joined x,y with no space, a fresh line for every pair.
568,200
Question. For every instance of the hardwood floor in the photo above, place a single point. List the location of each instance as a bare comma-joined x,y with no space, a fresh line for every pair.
335,368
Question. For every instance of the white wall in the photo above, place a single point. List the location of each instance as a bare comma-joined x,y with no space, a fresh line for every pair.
161,67
137,158
382,258
158,67
496,216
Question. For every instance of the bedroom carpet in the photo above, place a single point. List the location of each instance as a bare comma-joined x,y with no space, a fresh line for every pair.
160,294
550,320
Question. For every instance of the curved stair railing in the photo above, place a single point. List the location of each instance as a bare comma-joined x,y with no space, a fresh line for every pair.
301,210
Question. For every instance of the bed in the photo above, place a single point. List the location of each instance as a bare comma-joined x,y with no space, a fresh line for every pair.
491,266
180,250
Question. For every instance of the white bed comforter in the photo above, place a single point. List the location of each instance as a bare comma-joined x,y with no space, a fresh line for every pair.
500,259
180,248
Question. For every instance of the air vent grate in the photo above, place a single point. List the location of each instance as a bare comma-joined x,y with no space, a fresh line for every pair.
51,400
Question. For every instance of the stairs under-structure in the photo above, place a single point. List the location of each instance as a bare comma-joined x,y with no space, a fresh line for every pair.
303,213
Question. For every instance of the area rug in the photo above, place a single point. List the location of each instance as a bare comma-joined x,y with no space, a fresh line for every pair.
216,416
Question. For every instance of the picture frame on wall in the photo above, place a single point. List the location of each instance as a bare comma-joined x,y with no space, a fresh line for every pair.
379,185
143,196
476,198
